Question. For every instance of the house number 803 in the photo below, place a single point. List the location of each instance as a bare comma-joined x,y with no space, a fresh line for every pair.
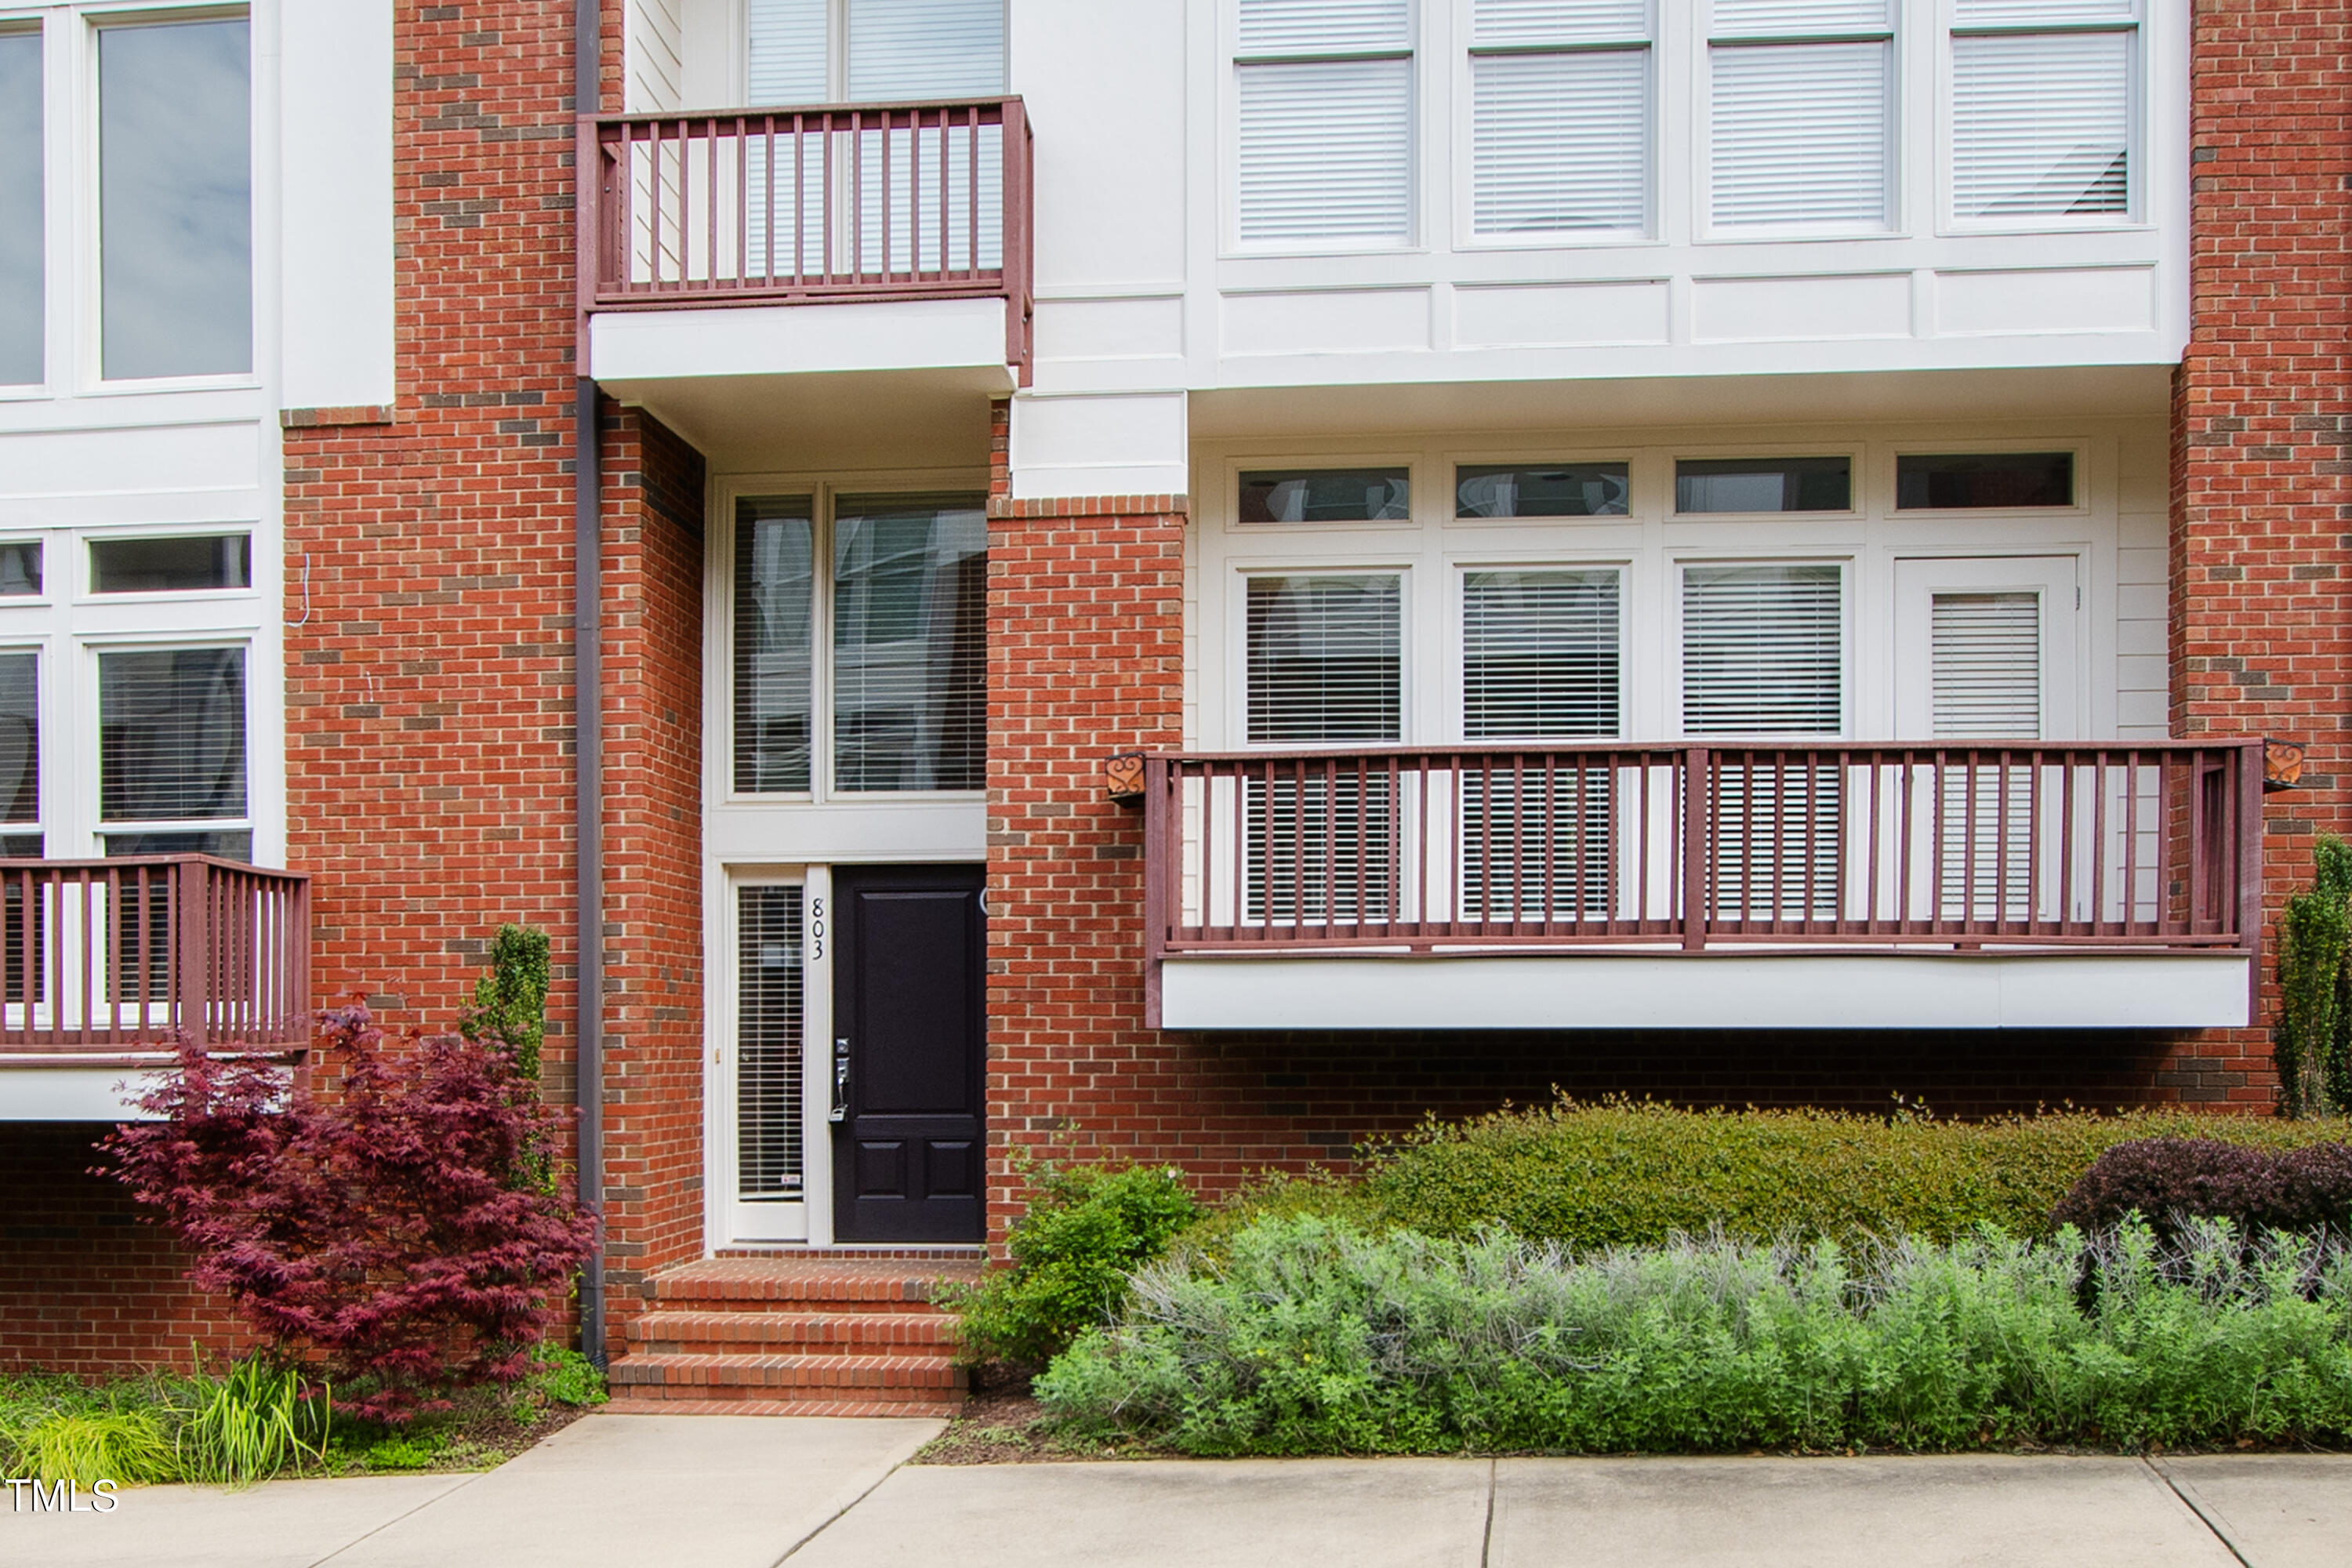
816,928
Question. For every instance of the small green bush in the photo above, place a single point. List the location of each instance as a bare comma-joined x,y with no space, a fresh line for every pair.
1314,1337
564,1376
1621,1173
1087,1228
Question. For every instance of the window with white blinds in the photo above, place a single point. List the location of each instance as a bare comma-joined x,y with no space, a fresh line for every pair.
769,1046
172,752
909,642
1540,656
1324,91
891,51
20,752
1559,116
904,682
1985,684
776,605
1801,114
1325,659
1324,663
1763,649
2042,109
1764,655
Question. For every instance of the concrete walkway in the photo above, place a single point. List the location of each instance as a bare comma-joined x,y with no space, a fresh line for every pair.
746,1492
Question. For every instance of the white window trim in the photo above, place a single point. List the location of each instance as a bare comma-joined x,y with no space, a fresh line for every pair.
1882,498
808,1222
1858,478
1704,41
1237,581
718,682
1462,131
2135,215
1456,679
85,309
1419,118
1848,567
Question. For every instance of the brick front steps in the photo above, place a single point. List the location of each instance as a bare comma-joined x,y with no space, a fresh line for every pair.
818,1333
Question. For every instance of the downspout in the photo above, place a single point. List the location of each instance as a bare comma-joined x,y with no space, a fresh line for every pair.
588,722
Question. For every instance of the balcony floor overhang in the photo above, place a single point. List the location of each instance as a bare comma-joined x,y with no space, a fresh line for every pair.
1721,989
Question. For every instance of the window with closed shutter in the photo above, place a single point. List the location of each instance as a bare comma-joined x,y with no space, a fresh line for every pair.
1985,684
2042,109
1801,114
769,1046
1540,655
1324,663
1560,117
1324,91
1763,650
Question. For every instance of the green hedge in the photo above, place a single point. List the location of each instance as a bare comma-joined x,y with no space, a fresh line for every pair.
1309,1336
1623,1173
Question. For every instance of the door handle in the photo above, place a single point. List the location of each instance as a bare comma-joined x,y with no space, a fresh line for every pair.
840,1111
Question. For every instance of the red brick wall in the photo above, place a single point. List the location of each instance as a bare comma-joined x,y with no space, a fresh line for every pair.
652,855
2261,644
84,1286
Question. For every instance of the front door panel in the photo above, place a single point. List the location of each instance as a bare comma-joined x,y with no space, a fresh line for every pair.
909,1044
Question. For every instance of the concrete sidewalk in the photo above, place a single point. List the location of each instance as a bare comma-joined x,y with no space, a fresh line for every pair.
722,1491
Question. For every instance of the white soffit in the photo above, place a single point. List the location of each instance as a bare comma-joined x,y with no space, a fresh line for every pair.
1713,990
794,339
72,1093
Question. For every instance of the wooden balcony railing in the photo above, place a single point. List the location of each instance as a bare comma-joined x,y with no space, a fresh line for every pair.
811,206
116,955
1957,847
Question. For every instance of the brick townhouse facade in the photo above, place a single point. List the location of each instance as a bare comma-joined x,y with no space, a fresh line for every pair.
1134,422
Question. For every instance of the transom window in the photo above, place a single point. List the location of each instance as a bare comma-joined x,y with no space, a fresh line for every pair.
887,648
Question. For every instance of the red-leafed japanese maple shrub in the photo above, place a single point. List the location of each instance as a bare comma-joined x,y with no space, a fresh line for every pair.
394,1231
2165,1180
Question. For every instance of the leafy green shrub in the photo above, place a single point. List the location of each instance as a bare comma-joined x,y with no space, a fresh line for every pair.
1086,1229
2312,1041
566,1377
2168,1180
411,1451
1621,1173
1316,1336
253,1424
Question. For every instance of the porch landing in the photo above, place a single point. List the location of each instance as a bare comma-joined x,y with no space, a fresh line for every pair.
817,1333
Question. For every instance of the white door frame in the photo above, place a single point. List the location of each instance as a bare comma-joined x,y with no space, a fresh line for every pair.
730,1221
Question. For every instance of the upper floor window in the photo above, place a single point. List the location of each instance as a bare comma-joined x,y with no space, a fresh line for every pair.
1559,116
1325,93
1801,114
905,601
22,294
2041,109
875,51
174,199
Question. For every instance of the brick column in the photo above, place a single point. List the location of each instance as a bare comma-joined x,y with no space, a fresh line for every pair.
2262,418
1085,658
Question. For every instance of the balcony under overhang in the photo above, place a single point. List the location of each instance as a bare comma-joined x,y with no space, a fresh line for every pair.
1888,885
